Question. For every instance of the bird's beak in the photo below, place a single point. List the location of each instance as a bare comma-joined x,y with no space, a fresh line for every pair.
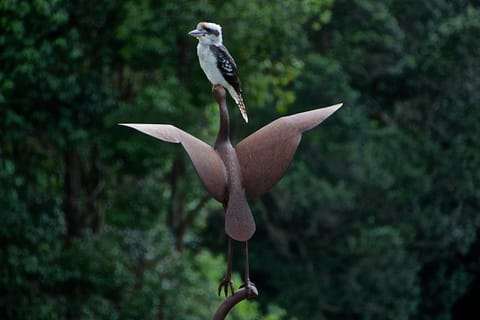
197,33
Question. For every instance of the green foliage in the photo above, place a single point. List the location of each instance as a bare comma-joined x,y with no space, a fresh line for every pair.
377,217
403,167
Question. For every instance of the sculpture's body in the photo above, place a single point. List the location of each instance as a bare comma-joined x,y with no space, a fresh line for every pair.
251,168
239,223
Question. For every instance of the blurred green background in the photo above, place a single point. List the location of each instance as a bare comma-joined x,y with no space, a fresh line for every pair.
377,218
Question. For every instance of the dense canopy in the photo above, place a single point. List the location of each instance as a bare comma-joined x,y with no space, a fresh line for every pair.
378,217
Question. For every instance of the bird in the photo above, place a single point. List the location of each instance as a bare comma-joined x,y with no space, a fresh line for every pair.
231,173
217,63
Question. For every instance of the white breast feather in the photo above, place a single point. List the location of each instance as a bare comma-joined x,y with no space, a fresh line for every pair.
208,63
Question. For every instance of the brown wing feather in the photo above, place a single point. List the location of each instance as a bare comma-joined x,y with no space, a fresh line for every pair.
226,63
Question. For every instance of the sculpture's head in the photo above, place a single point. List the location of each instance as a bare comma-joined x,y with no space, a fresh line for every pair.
219,94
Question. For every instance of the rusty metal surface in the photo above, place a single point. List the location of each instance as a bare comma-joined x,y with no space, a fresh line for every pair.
228,173
239,222
256,164
234,299
205,159
266,154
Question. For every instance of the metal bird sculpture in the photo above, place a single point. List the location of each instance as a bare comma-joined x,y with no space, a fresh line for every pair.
230,174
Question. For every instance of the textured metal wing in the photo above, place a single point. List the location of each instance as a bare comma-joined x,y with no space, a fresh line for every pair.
206,161
266,154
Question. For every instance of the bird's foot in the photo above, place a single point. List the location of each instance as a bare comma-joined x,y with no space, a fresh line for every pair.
225,285
252,291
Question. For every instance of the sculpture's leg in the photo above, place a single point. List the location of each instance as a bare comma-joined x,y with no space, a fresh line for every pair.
249,285
227,282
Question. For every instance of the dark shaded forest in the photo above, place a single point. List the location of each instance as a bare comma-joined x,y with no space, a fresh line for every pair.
377,217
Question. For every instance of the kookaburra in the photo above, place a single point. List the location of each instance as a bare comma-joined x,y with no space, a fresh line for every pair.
217,63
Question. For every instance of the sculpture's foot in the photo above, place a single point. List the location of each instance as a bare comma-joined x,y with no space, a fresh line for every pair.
225,285
252,291
234,299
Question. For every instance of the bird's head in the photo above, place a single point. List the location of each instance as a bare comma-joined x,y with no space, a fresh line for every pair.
208,33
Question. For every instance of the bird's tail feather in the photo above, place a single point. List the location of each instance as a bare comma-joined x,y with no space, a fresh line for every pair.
242,108
237,96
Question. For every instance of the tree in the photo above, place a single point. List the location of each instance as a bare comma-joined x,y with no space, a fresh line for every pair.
375,219
79,240
385,204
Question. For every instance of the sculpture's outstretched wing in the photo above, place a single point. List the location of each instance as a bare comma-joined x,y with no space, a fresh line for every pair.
206,161
266,154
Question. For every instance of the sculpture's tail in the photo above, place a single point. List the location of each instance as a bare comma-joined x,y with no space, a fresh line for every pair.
239,223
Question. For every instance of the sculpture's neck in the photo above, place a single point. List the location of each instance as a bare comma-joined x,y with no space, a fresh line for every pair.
224,129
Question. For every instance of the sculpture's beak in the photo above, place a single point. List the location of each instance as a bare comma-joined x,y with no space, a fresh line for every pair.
197,33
